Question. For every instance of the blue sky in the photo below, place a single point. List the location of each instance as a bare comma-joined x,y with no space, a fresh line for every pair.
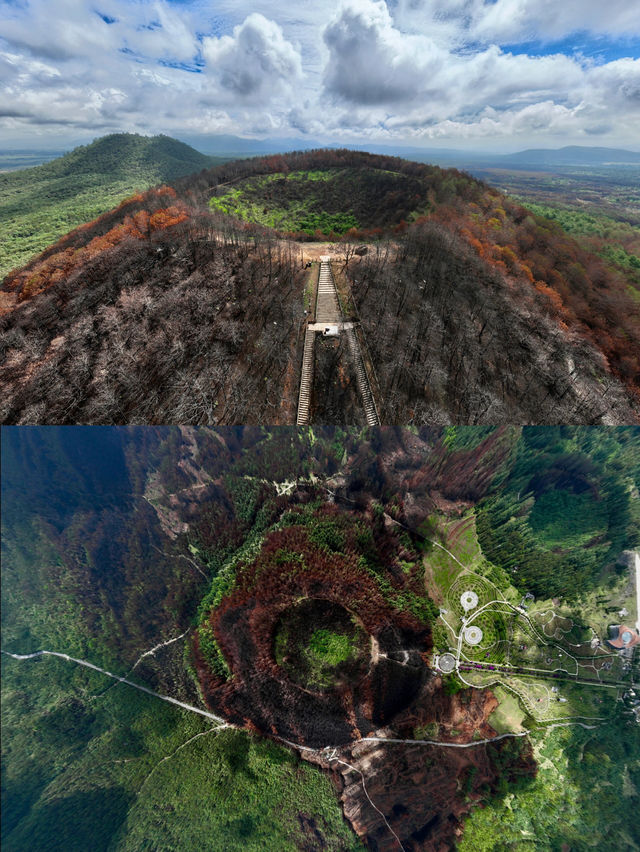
473,74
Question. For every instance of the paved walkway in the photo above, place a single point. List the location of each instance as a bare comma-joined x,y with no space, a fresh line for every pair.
638,590
328,314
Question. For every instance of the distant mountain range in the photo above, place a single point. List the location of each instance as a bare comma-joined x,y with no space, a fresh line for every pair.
533,158
574,155
200,150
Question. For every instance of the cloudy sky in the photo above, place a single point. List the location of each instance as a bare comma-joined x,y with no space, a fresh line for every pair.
478,74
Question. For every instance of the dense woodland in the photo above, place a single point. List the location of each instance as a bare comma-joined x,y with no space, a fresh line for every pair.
566,511
39,205
155,319
164,310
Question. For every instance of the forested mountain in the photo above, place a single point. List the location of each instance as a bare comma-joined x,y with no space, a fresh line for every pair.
185,304
176,557
39,204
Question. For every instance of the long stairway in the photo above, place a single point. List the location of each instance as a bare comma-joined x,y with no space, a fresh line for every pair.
306,380
327,308
328,313
363,380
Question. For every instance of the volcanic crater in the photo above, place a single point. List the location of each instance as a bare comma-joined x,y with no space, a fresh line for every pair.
318,635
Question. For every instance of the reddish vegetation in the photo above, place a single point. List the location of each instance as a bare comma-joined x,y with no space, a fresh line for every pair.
480,313
577,287
66,256
580,291
415,471
425,791
467,474
290,568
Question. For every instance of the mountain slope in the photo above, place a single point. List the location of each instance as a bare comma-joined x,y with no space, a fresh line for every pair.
572,155
89,767
39,204
167,309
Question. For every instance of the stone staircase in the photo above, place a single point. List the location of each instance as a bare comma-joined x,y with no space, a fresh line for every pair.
328,313
304,399
327,308
363,380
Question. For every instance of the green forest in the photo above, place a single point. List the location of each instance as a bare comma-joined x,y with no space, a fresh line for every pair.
90,763
566,510
40,204
585,796
111,769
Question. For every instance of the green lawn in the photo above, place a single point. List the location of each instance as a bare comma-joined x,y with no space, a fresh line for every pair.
508,715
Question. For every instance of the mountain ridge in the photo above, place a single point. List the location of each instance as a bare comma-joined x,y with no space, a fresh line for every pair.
474,310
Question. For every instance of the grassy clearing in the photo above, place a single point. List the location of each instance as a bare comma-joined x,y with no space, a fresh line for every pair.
442,571
330,648
462,541
508,717
327,202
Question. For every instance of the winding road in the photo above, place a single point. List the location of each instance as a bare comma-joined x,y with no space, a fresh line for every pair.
223,722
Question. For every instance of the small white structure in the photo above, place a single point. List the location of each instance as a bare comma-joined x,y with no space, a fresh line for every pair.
331,331
473,635
469,600
446,663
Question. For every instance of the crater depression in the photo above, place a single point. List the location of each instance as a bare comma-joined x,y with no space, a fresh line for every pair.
321,638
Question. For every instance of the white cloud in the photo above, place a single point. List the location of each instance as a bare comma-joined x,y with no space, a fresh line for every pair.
256,61
406,84
158,31
370,61
58,30
525,20
343,70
